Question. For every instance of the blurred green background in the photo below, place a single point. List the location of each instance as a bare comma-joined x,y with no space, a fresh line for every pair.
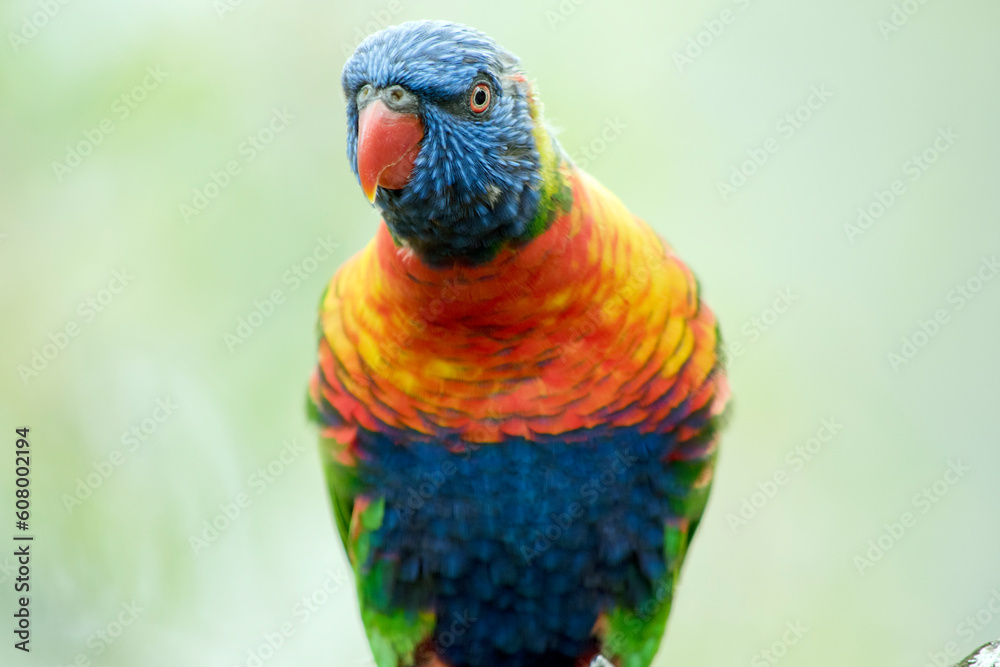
115,116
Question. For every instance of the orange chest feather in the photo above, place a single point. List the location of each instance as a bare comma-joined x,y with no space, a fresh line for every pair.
595,322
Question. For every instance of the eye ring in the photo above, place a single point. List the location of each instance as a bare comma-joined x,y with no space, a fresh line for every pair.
479,100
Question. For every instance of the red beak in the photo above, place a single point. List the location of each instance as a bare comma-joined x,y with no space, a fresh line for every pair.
388,143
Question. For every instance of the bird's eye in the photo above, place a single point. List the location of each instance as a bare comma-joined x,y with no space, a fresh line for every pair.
364,93
479,101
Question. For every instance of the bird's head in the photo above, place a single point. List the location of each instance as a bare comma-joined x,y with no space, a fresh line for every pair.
446,139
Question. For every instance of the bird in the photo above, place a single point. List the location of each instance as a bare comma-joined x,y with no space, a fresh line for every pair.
518,388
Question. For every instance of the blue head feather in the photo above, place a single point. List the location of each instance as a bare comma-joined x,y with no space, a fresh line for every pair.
476,179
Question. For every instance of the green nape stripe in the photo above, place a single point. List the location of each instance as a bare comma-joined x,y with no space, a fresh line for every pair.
556,196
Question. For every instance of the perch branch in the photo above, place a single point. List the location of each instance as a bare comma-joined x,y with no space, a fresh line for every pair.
987,655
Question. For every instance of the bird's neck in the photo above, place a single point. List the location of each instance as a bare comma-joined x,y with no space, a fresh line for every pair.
522,281
555,194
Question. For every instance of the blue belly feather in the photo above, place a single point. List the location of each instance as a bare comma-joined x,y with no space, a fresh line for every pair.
519,546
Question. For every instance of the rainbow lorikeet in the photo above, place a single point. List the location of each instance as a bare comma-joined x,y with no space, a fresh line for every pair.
518,386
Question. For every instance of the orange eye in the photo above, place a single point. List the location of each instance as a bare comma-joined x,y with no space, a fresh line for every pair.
479,101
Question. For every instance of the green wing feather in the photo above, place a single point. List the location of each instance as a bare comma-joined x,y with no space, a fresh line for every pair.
393,634
633,635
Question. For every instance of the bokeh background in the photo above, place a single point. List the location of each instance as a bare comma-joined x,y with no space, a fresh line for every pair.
159,417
